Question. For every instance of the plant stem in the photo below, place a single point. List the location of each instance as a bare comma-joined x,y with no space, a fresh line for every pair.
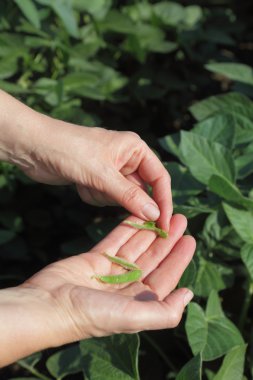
246,304
162,354
34,371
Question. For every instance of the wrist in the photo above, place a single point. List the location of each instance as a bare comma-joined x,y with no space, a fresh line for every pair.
16,135
30,321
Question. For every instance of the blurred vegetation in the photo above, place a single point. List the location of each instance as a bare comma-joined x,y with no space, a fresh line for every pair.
140,65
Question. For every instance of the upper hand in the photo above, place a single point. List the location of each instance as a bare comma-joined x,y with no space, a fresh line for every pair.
108,167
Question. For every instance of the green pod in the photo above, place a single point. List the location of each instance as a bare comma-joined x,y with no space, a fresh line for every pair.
123,263
151,226
130,276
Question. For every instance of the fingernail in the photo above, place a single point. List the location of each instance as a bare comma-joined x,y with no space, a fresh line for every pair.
151,211
188,297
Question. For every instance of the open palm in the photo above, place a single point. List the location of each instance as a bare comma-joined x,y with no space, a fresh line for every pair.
89,308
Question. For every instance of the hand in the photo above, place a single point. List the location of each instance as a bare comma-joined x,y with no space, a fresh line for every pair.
63,303
108,167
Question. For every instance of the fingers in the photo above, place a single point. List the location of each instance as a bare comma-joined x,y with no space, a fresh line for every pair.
148,248
152,171
131,197
166,277
160,248
94,197
154,315
116,238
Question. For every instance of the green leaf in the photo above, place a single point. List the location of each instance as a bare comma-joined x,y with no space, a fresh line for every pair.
31,361
244,165
211,334
30,11
231,103
183,184
170,143
192,14
196,328
210,276
117,22
111,358
191,370
247,258
170,13
213,307
64,10
228,191
97,8
65,362
234,71
232,365
218,128
188,276
6,236
206,158
242,221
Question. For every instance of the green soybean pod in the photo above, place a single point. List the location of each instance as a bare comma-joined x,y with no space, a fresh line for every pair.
151,226
123,263
130,276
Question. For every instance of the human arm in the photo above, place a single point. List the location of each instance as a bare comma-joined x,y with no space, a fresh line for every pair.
108,167
63,303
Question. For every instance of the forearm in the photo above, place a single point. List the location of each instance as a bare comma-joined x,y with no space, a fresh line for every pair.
16,130
28,323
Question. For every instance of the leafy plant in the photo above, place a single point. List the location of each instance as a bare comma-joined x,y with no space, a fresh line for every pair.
140,65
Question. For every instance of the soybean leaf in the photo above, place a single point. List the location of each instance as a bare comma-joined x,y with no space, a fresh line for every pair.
213,307
234,71
64,10
210,276
191,370
219,128
232,365
170,13
31,361
183,184
117,22
247,258
111,358
192,14
171,144
206,158
232,103
97,8
228,191
188,276
30,11
65,362
212,335
196,328
244,165
242,221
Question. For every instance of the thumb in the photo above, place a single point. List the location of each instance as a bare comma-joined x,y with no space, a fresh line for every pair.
132,197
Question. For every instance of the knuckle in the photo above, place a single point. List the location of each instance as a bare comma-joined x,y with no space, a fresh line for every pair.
175,318
130,194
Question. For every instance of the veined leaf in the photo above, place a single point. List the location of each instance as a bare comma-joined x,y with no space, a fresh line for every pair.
233,364
228,191
210,333
232,103
111,358
218,128
206,158
30,11
247,258
191,370
234,71
65,362
242,221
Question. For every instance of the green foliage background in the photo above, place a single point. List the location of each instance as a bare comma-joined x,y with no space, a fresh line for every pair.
177,73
